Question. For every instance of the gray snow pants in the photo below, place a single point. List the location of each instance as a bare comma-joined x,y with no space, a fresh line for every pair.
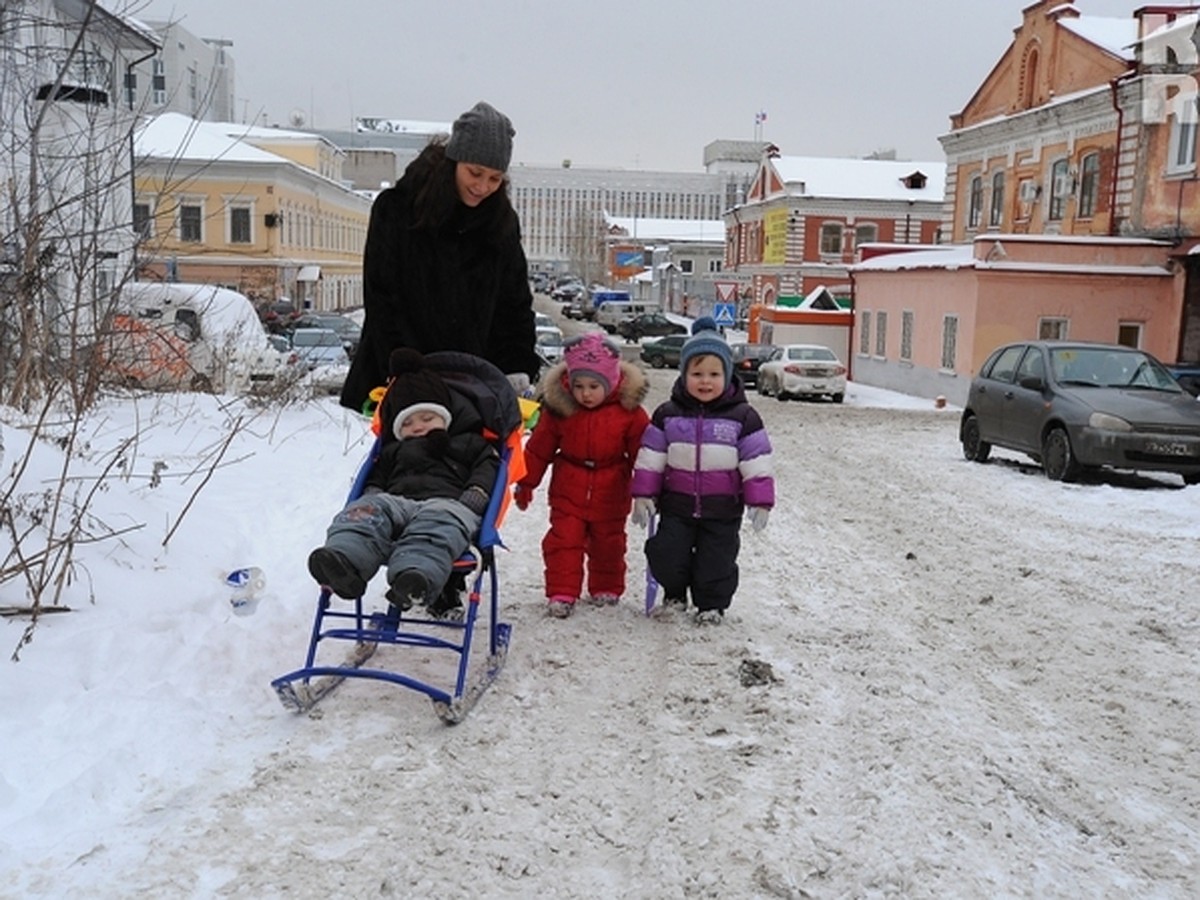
426,535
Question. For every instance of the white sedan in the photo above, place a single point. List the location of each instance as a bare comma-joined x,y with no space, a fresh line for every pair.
803,370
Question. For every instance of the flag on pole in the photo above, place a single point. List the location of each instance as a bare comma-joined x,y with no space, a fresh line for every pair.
760,117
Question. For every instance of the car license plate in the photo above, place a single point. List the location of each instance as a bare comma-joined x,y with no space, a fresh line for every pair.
1168,448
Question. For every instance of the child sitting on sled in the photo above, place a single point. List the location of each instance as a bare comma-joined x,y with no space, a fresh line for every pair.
589,428
424,498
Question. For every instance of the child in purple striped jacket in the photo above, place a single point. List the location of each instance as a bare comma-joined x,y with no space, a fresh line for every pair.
704,460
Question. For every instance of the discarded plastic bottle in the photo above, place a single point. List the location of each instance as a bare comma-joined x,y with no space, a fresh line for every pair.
248,585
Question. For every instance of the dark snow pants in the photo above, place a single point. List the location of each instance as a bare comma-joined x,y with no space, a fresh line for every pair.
696,554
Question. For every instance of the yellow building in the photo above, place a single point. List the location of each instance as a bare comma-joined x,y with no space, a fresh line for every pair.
261,210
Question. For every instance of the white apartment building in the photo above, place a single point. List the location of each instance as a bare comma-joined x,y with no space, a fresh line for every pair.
190,75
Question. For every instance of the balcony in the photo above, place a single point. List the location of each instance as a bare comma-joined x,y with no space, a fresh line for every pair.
86,76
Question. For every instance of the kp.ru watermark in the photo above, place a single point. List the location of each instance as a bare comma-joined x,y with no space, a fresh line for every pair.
1171,96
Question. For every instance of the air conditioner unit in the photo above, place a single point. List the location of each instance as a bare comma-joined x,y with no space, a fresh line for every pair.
1064,185
1029,191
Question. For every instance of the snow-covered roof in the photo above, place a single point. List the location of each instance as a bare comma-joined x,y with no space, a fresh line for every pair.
952,256
1113,35
709,230
176,136
860,179
400,126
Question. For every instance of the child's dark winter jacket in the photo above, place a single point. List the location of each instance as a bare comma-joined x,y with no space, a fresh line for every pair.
459,463
593,450
726,451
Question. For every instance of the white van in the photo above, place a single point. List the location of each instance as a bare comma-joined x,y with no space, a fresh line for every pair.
172,336
612,313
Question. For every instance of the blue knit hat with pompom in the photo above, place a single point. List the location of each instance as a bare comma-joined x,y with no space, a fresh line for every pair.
706,340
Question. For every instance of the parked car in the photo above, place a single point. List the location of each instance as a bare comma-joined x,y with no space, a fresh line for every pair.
576,309
322,352
568,292
747,358
347,329
1188,376
649,325
803,370
1076,406
541,320
550,344
277,316
612,313
172,336
664,352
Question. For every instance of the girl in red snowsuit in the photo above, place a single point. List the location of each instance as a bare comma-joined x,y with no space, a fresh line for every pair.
589,430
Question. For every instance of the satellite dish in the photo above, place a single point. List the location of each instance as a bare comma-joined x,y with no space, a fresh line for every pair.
296,118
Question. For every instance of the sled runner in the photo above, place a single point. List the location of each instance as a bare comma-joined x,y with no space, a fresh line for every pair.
447,641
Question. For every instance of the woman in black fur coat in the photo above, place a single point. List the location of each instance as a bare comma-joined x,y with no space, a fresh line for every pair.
443,267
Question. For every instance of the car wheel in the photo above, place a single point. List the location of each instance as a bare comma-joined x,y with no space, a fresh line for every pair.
838,398
1058,461
658,362
782,396
974,448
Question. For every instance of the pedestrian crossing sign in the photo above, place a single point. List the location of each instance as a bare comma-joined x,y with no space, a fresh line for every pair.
723,314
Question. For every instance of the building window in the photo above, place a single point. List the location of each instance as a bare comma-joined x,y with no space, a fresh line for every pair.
831,239
949,341
1052,329
1060,190
1181,154
906,335
867,233
158,83
1129,334
714,265
130,88
975,202
685,266
239,225
1089,185
881,334
143,222
864,332
190,221
996,215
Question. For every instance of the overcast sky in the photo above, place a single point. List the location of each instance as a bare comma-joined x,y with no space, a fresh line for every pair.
622,83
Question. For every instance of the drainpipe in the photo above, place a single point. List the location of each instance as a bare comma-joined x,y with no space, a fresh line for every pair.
133,156
853,322
1113,87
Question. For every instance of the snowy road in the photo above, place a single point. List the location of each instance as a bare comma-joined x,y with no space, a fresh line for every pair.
985,686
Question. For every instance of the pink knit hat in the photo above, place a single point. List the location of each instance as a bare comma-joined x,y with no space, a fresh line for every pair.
595,356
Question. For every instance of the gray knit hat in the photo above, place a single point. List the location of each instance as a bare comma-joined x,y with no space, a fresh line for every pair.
482,135
706,341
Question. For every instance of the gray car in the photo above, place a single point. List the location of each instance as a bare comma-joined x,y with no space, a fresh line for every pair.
1075,406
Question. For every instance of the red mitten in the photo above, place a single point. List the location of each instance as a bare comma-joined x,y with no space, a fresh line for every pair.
523,495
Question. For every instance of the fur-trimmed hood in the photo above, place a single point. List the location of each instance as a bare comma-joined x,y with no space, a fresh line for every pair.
554,389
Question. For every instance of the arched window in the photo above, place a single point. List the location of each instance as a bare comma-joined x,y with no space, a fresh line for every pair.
1089,185
975,202
1060,190
1029,74
996,216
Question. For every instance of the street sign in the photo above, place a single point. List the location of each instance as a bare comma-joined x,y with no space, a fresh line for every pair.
723,313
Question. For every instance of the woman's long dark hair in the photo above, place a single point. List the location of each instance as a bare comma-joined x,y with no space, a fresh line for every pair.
435,195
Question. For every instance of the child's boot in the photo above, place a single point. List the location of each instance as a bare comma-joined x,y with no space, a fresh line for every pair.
408,588
334,571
